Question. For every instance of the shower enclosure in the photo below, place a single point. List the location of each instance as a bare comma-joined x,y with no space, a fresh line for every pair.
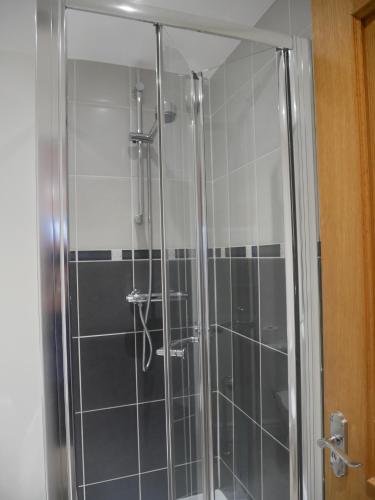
183,318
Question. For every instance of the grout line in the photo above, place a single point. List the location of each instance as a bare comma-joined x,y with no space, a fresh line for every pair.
254,421
134,475
104,177
97,104
228,98
252,340
120,406
251,163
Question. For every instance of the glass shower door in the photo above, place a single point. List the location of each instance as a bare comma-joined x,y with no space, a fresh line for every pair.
248,255
179,199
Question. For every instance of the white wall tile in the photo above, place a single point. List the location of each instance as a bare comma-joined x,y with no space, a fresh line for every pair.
242,206
238,68
277,17
221,212
71,79
266,104
175,216
140,231
102,140
217,89
262,55
300,12
72,222
210,214
148,78
104,215
270,199
102,83
219,148
240,128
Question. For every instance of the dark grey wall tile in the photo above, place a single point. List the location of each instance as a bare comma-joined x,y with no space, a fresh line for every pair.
214,413
182,480
154,485
224,355
247,453
120,489
78,448
195,434
141,276
241,492
223,292
213,360
108,371
181,420
226,431
152,436
178,283
211,291
272,292
75,375
151,382
275,414
226,481
275,470
196,477
73,313
244,274
103,287
110,443
246,376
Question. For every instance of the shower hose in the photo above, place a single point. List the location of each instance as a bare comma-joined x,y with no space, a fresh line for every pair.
144,317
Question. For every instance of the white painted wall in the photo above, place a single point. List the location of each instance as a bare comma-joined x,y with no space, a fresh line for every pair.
22,468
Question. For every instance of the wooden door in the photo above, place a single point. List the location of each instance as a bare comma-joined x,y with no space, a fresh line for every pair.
344,75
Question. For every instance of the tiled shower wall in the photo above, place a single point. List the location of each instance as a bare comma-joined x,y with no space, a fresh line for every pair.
119,410
247,270
246,210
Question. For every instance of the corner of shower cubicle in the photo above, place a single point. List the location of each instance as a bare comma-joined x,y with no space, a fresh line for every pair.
308,300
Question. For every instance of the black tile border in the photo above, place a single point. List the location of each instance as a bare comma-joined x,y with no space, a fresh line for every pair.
250,251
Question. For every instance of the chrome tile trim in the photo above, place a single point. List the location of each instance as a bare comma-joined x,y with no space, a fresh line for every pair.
307,212
53,245
168,387
291,269
202,289
175,19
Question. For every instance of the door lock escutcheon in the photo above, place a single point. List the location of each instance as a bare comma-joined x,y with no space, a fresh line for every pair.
337,445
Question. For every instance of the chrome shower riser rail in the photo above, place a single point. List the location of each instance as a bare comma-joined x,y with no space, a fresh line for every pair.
175,19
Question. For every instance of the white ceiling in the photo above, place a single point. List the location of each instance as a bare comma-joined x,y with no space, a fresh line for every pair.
119,41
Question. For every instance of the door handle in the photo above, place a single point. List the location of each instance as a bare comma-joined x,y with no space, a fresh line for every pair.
332,443
337,444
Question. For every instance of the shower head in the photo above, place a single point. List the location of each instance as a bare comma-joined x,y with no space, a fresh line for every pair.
170,111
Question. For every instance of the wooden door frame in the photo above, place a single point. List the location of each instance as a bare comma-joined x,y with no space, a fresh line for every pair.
346,186
363,10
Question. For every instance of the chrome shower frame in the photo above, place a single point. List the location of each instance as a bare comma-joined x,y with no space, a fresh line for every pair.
53,178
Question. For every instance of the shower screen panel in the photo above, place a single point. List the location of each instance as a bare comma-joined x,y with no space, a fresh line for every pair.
250,279
180,270
180,223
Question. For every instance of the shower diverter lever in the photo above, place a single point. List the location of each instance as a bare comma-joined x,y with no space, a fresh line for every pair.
178,353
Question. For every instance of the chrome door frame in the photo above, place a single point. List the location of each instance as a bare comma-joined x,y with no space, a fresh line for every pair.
53,245
51,37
